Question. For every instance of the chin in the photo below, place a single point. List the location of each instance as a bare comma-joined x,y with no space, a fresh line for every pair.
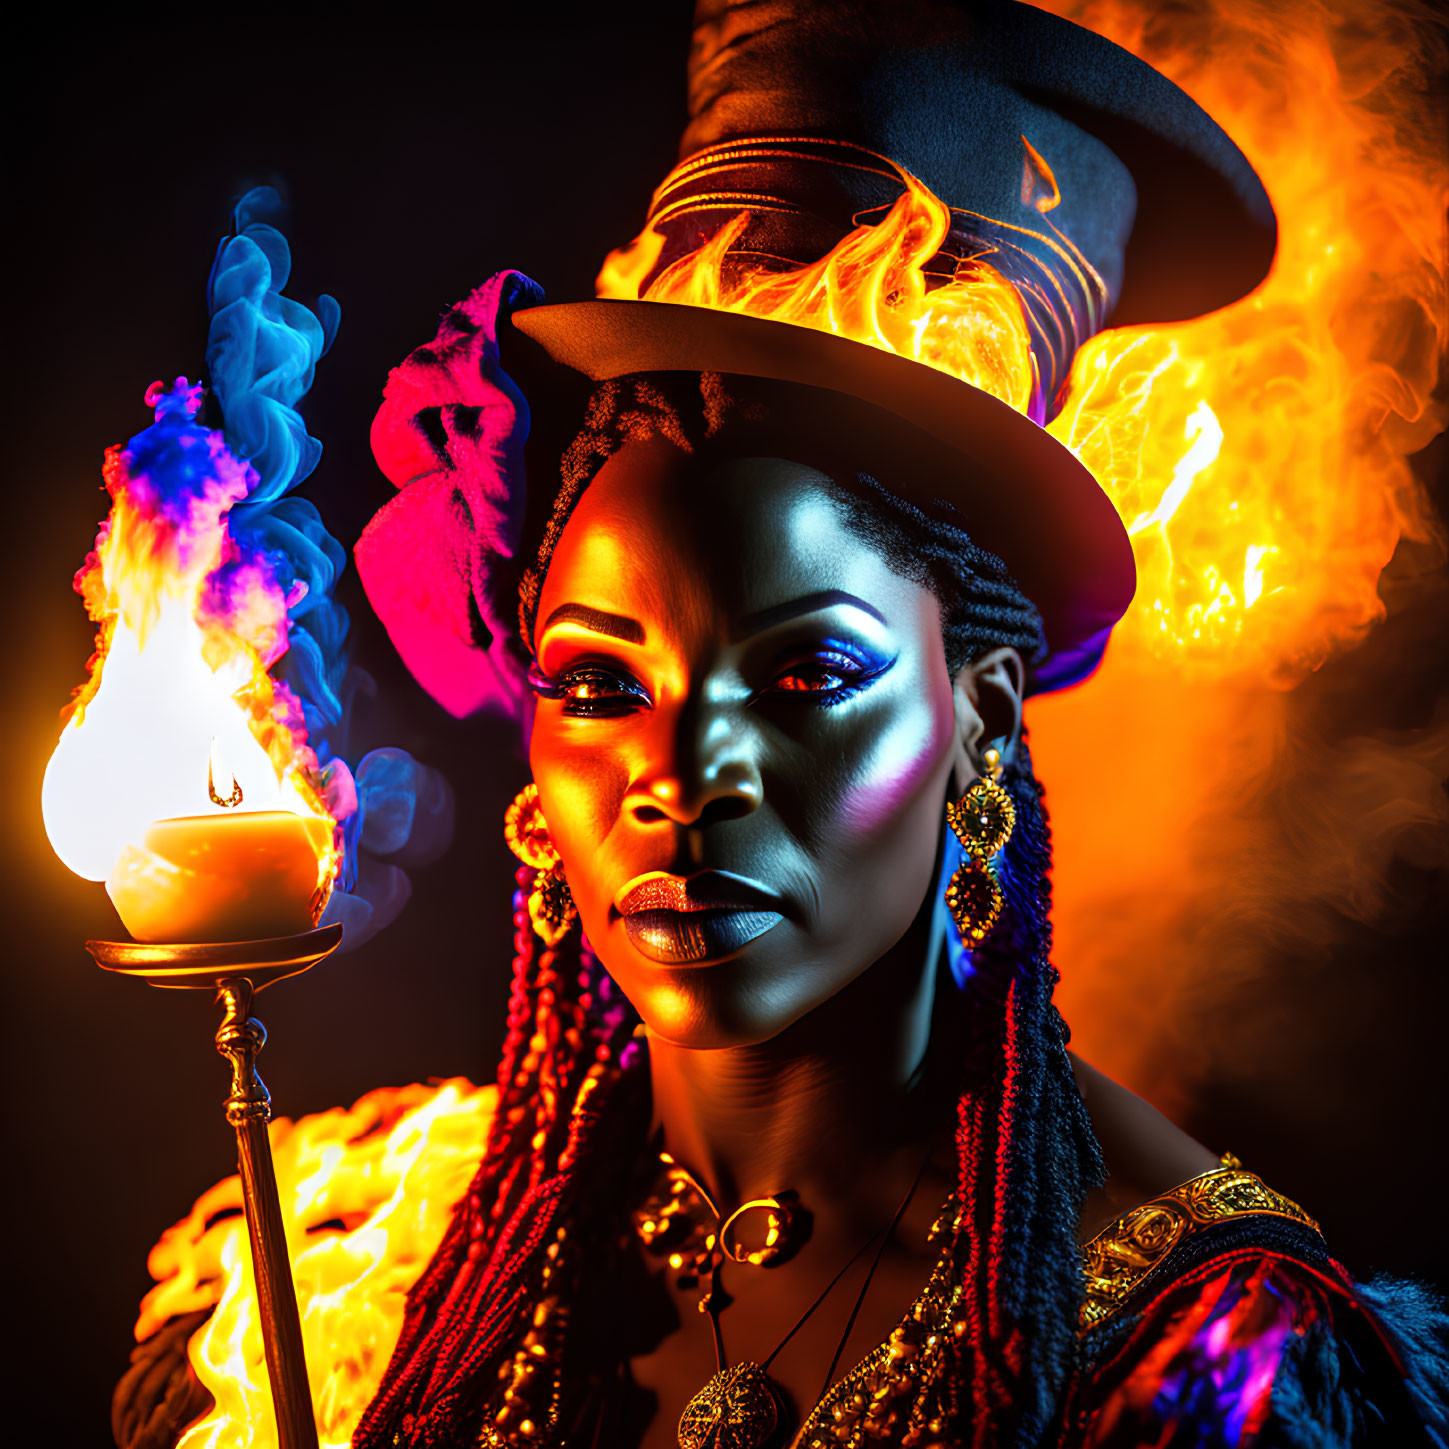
699,1014
741,1001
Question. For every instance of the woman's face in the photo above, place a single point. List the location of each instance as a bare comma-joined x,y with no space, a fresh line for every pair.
744,743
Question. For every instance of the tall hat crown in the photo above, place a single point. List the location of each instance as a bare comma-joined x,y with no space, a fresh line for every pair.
1094,184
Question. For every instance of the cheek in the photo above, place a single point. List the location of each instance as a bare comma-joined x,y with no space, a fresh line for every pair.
896,777
581,793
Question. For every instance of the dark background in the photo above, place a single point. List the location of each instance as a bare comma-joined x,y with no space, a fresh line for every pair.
420,155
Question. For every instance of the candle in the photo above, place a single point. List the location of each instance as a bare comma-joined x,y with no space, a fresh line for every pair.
238,877
182,776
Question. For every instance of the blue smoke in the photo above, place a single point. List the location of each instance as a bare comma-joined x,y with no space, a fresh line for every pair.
261,352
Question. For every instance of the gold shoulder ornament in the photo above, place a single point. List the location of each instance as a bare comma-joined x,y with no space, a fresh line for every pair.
1127,1250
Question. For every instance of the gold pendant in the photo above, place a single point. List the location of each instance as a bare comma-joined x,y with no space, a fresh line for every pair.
736,1409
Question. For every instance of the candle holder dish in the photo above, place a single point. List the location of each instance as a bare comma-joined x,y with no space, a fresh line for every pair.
235,971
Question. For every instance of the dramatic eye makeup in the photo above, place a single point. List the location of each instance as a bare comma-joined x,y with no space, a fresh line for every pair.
788,658
590,689
822,661
827,672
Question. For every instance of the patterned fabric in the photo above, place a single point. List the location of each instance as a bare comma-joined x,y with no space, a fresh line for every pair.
1131,1253
1252,1349
1227,1326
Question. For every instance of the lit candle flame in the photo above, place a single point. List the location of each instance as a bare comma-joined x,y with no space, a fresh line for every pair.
179,692
233,791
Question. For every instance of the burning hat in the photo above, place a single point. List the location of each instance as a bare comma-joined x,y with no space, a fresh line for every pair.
1026,149
919,206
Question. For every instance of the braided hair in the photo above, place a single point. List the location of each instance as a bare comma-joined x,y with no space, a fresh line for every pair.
573,1088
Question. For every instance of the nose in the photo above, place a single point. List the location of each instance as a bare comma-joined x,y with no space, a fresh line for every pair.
702,772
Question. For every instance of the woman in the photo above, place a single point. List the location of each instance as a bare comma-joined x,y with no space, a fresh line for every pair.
761,682
789,1145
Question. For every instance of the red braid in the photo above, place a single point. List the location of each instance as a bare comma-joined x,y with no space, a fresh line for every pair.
1005,1127
1025,1154
564,1054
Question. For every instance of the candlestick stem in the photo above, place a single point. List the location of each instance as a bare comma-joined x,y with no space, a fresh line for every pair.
235,971
249,1108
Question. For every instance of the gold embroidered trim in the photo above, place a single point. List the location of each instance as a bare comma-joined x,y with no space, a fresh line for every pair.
1119,1258
892,1391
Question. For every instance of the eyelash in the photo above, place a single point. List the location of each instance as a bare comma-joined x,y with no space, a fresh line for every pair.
853,672
583,676
857,674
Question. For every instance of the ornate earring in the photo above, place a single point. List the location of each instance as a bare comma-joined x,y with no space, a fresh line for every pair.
982,820
550,906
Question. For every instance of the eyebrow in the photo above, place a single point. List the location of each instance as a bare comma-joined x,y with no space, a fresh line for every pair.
805,604
618,626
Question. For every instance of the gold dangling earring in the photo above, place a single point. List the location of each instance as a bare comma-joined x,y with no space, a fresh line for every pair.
551,907
982,819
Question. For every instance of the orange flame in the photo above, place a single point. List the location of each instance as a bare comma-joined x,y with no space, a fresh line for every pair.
1322,384
179,697
1268,554
367,1193
872,287
1257,456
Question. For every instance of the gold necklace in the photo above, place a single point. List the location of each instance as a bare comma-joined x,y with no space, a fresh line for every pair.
739,1408
762,1231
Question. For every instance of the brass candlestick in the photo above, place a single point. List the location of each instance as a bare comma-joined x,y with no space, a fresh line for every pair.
235,971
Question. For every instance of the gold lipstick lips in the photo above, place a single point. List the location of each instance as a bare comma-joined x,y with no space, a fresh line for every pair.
677,920
710,890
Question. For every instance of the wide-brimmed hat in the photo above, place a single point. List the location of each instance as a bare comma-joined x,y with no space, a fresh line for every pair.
936,440
1092,183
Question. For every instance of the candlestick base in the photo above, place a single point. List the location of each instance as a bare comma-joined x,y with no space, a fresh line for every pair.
204,965
235,971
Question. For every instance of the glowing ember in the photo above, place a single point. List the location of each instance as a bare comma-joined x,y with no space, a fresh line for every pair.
872,287
180,717
366,1193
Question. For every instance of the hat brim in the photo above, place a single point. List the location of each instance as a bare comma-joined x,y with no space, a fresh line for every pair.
1019,492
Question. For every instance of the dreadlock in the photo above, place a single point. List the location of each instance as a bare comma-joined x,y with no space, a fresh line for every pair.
570,1096
572,1082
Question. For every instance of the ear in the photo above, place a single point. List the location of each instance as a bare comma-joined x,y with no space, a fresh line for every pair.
988,693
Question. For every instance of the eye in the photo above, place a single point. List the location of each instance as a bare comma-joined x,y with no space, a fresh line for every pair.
590,691
830,675
817,676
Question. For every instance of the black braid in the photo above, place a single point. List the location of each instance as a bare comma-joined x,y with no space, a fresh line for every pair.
981,606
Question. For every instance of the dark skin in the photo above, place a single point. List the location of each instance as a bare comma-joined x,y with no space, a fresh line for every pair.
742,686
